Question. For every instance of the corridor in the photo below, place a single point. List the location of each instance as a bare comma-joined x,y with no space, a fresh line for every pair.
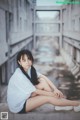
51,31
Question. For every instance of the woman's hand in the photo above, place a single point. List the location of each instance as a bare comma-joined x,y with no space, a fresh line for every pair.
58,94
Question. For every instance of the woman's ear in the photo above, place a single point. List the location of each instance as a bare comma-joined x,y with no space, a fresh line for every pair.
19,62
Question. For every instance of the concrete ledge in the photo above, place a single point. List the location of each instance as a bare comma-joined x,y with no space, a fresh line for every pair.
45,112
43,109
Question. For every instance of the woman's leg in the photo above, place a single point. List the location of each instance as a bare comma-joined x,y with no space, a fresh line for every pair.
43,85
37,101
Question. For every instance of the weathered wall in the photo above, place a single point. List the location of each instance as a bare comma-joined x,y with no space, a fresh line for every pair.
15,33
71,36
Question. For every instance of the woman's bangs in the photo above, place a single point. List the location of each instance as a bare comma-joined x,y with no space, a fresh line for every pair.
23,57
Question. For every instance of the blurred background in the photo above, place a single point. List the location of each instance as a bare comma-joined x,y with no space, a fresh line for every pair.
50,29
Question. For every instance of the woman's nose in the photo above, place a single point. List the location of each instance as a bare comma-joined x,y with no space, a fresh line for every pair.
28,62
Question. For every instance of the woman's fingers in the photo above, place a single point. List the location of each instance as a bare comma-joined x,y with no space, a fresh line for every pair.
59,95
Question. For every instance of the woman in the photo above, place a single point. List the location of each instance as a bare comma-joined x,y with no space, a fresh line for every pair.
28,89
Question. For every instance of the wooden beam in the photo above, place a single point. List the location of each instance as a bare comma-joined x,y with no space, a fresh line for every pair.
48,8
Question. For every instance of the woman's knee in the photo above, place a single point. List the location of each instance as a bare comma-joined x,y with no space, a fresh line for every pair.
41,80
40,86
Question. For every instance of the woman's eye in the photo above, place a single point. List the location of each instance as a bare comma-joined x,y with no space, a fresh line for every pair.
24,60
29,59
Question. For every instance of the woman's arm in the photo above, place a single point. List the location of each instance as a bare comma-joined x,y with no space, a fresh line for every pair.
43,92
50,83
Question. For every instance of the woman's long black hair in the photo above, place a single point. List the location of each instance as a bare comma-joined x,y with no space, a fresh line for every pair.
34,78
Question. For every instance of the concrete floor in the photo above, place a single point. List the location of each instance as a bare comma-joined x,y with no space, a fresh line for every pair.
54,67
44,112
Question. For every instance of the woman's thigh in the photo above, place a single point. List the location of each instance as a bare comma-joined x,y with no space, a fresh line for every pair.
34,102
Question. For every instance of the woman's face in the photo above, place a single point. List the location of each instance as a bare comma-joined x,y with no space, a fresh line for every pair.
25,62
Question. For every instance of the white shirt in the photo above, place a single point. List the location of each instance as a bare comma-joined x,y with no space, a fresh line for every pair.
19,90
